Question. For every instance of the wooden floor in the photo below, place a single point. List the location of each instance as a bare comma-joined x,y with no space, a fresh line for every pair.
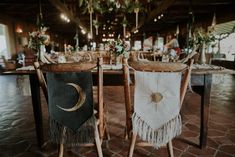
18,138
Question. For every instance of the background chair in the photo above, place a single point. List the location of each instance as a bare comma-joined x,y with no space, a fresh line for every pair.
77,68
152,67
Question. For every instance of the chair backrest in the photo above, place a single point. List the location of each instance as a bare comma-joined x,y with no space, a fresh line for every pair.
65,73
144,56
159,67
152,67
78,67
167,67
41,79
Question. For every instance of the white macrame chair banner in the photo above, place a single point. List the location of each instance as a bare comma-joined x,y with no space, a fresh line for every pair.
156,116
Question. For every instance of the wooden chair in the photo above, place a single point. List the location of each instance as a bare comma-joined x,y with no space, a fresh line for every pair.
41,79
77,68
151,67
143,56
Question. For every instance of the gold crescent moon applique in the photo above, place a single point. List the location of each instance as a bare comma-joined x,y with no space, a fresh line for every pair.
81,100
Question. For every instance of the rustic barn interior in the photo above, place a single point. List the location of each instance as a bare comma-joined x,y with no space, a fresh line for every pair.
112,40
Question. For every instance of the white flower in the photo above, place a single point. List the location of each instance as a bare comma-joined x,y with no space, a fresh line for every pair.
38,38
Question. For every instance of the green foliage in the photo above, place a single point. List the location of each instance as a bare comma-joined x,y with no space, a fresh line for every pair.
38,38
127,7
200,36
118,47
124,21
96,23
108,6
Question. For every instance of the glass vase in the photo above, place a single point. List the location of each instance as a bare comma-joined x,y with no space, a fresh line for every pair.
203,54
117,59
42,51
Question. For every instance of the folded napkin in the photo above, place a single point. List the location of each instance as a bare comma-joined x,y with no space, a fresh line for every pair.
26,68
207,67
110,67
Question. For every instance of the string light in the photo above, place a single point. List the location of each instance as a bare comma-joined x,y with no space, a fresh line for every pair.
83,31
136,31
89,36
158,17
64,17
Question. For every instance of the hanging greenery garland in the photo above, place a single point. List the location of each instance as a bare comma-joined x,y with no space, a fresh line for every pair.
97,24
102,7
90,9
124,24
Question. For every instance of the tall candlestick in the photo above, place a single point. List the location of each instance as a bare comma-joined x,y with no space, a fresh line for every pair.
65,47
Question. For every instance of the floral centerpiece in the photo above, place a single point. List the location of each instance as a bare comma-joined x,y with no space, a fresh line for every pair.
201,40
118,47
37,41
200,37
38,38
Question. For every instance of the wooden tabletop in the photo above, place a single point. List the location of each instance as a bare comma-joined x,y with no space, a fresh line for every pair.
208,69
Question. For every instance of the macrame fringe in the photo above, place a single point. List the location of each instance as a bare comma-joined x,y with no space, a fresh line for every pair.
159,137
63,135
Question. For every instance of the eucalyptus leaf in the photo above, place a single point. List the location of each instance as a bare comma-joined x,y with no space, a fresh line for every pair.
80,2
96,23
84,11
127,7
124,21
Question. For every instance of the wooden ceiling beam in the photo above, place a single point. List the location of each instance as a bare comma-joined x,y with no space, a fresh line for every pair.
22,2
159,9
204,2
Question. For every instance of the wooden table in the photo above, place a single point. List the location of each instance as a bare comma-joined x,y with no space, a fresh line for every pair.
201,82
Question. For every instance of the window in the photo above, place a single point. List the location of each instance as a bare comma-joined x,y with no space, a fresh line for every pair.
226,35
4,48
137,45
227,46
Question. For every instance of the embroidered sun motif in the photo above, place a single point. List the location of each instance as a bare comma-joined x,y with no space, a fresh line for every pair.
156,97
155,92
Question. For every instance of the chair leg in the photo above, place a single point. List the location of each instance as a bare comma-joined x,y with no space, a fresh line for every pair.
61,151
170,149
127,134
106,131
97,142
107,134
132,146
